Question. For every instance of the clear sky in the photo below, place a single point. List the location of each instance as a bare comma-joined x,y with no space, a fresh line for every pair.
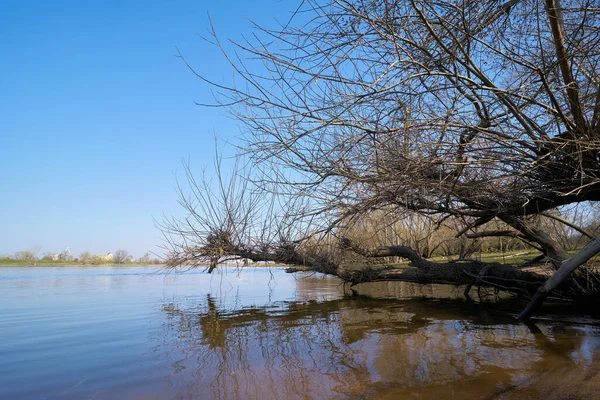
96,113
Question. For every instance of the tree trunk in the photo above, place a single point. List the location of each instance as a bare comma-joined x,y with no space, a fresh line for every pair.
551,248
559,277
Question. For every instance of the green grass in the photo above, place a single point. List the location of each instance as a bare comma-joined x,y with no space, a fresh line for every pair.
515,257
509,257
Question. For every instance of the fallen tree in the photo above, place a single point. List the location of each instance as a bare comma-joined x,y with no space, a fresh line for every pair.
464,111
235,208
465,272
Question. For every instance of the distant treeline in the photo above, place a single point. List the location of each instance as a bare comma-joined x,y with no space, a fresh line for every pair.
32,256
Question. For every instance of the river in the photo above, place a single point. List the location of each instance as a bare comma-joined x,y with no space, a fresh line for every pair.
138,333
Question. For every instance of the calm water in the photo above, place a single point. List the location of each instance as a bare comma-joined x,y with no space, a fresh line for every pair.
131,333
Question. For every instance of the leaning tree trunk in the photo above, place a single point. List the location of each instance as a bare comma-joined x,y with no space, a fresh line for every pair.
559,277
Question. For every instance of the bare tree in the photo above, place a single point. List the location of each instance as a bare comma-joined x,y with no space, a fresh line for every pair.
35,251
32,254
146,258
66,255
230,219
120,256
85,257
476,111
25,255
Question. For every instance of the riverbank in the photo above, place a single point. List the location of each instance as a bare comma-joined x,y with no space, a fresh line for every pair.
9,262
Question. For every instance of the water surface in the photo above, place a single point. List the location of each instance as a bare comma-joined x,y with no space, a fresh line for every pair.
133,333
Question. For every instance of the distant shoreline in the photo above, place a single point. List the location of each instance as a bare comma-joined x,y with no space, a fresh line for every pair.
9,262
51,263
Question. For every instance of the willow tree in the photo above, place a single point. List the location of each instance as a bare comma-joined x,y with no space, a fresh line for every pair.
477,111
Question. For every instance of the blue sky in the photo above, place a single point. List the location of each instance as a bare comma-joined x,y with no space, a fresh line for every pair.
96,113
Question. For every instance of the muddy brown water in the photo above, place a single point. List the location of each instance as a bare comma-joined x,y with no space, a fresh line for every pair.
135,333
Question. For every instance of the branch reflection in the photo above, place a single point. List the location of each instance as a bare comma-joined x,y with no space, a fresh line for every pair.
357,347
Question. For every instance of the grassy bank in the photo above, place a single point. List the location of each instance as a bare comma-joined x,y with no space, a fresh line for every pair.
8,262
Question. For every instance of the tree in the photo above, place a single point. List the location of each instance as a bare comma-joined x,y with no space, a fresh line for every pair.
475,112
31,254
85,257
146,259
120,256
36,249
66,255
25,255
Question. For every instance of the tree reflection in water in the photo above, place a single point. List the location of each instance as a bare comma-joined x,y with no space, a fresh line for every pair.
356,347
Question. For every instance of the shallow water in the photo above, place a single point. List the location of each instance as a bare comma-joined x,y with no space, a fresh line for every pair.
133,333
